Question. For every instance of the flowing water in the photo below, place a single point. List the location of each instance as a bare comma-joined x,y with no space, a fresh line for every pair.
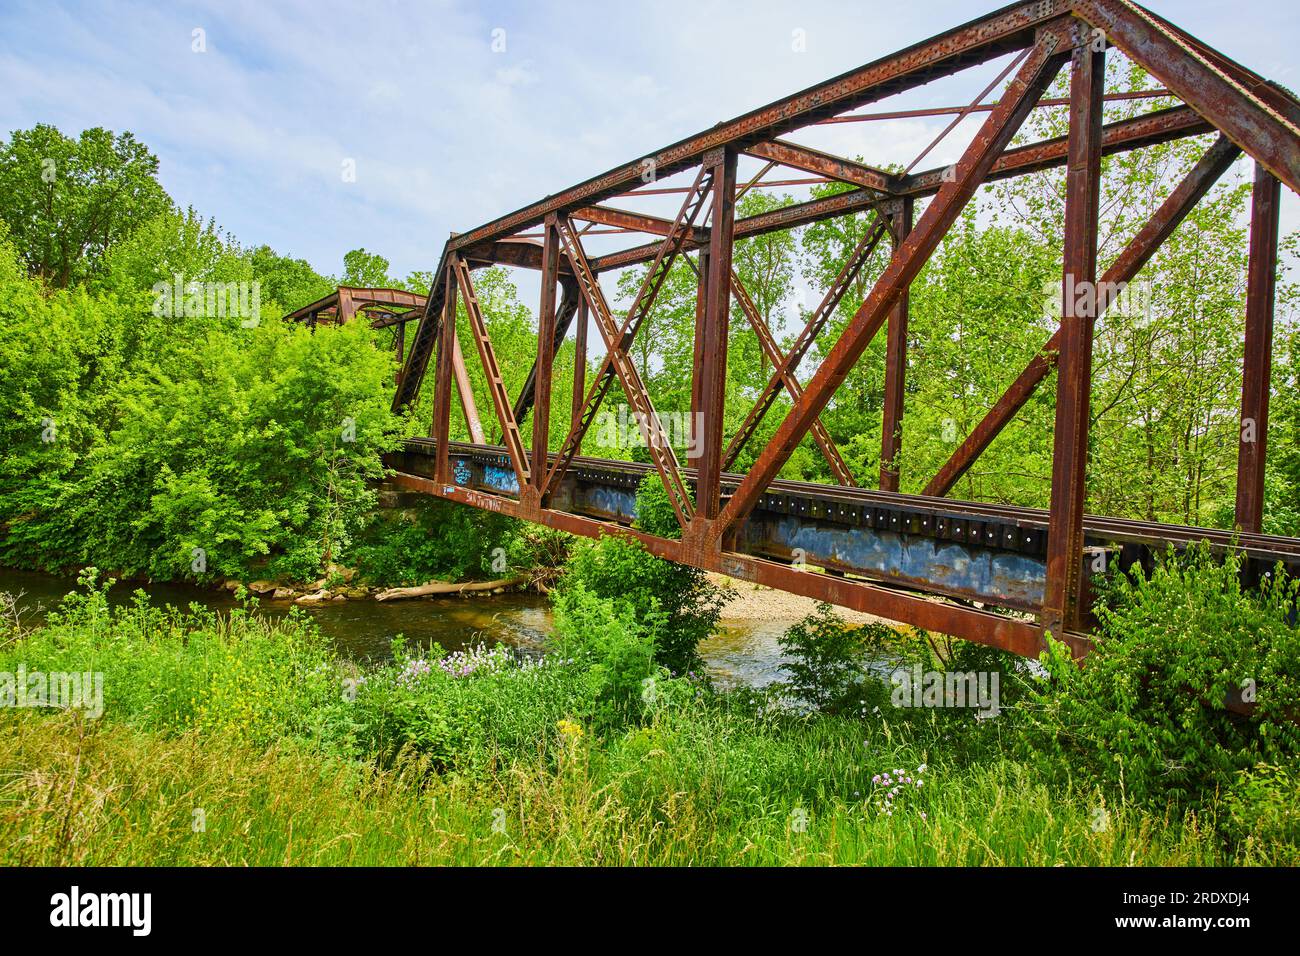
742,652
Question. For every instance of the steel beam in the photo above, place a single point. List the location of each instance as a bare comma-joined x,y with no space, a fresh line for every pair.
638,222
825,164
697,357
1008,633
617,342
767,342
1156,127
579,364
1267,134
465,389
1261,280
1062,608
496,385
786,368
546,345
1159,126
711,348
441,427
1007,30
891,431
399,347
569,299
617,363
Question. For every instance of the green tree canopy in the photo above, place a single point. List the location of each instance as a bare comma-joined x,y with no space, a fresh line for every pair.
68,201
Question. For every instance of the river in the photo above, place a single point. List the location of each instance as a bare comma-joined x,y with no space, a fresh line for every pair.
744,651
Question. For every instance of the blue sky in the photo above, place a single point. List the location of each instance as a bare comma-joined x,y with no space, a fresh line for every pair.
446,132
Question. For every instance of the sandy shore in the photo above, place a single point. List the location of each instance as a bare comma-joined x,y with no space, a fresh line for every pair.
753,602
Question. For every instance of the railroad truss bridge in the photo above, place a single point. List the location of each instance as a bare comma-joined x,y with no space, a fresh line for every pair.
993,574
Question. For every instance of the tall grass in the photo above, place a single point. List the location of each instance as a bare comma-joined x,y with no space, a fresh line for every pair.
239,741
78,792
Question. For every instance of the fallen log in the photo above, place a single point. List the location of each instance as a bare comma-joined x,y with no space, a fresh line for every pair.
440,588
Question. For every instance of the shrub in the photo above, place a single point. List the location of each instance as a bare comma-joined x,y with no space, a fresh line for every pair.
678,603
612,646
241,677
829,657
435,539
1147,714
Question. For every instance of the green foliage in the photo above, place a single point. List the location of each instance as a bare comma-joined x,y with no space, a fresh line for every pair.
1263,817
67,202
613,646
467,712
682,603
829,658
366,270
415,760
260,682
261,450
287,282
437,539
654,509
243,678
1147,716
180,445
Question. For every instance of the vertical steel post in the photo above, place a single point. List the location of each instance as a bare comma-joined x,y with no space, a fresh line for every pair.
711,356
1061,604
579,363
891,435
545,351
1261,281
441,431
400,348
697,365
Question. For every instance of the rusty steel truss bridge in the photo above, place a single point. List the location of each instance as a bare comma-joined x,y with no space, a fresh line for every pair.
988,573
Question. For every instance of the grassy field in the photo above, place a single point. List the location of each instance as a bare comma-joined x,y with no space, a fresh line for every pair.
239,741
80,793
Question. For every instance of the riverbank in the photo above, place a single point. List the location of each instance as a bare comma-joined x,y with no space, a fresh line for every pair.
755,602
246,741
247,738
743,652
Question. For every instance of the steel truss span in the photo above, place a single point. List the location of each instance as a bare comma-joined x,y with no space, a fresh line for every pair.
1001,576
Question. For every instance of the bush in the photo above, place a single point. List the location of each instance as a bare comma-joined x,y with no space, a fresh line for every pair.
676,602
1147,715
613,648
241,677
435,539
829,658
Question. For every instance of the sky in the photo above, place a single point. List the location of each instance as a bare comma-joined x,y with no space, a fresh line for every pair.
447,115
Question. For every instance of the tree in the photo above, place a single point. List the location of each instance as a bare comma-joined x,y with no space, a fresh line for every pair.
67,202
288,282
366,270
